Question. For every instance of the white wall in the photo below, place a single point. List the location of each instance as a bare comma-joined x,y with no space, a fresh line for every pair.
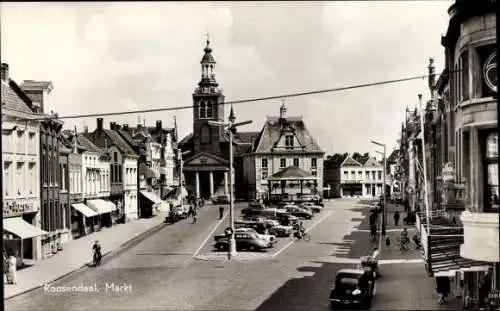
130,184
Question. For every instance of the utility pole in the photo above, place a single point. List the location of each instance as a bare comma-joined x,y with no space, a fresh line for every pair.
384,208
231,126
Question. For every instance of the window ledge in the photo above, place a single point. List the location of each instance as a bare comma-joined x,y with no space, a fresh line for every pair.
475,101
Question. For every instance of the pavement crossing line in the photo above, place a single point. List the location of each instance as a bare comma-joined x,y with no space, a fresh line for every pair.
209,235
388,230
344,260
308,229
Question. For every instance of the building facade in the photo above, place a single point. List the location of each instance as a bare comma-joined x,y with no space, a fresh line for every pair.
21,171
52,213
64,152
283,142
460,224
205,152
361,180
123,170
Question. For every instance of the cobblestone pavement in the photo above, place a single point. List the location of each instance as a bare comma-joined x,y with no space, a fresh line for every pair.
160,273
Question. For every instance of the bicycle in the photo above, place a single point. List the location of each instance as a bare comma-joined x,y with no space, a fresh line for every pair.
404,245
305,237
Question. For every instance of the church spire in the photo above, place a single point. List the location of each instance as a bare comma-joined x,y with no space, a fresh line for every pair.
208,67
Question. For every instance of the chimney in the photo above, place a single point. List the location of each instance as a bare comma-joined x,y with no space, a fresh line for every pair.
112,125
99,124
5,72
158,124
86,129
126,128
432,74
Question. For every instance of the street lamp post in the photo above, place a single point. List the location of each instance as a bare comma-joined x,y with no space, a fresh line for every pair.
180,153
231,126
384,209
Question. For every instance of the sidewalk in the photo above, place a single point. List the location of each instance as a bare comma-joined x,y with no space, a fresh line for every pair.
78,253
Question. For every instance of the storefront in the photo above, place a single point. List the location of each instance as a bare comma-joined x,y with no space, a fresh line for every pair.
105,210
352,190
83,219
149,204
18,237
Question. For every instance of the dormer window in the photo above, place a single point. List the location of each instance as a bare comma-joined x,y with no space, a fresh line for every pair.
289,141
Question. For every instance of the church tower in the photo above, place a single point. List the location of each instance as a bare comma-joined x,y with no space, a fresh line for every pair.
208,105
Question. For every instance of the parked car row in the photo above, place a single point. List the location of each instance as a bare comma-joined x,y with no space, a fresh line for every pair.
260,224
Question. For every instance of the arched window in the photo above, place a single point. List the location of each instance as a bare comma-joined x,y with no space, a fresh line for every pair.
202,110
205,134
209,110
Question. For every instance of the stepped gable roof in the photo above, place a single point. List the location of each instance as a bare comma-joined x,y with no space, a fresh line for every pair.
372,162
273,129
349,161
291,172
119,142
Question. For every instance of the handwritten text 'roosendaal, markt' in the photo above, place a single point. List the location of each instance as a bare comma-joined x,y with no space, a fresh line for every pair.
92,288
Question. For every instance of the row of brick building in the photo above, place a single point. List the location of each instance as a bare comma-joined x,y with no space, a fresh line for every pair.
62,184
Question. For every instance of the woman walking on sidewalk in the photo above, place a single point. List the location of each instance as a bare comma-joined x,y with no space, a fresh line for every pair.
12,264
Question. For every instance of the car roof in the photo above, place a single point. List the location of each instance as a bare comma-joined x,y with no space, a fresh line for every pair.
351,271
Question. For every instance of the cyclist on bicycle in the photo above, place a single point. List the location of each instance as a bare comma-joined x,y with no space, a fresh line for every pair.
300,230
405,240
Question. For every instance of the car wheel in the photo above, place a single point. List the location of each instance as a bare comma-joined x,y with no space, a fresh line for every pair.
332,305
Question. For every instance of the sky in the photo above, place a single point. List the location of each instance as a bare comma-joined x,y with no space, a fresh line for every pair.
123,56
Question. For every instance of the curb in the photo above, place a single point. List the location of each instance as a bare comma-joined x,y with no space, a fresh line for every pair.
105,258
223,257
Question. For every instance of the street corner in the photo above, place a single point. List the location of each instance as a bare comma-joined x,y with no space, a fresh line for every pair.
240,256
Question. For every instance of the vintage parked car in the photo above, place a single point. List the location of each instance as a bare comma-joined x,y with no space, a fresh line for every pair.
258,226
220,199
352,288
267,221
253,210
299,211
244,241
313,207
281,231
267,237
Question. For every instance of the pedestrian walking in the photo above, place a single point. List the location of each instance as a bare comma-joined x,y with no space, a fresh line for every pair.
12,264
221,212
97,255
388,242
396,218
373,232
195,216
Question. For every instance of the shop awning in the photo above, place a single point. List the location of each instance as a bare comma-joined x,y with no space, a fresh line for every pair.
444,251
21,228
151,197
111,204
84,209
100,206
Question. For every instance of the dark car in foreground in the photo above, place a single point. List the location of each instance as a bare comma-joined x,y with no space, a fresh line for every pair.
353,288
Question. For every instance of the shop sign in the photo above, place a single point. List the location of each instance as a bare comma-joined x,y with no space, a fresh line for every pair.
14,208
490,72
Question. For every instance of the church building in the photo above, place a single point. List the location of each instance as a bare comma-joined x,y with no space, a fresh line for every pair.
206,150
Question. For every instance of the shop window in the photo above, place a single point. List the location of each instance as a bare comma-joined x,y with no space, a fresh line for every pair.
264,163
490,171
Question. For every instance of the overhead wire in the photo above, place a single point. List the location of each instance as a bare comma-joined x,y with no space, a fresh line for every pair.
233,102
